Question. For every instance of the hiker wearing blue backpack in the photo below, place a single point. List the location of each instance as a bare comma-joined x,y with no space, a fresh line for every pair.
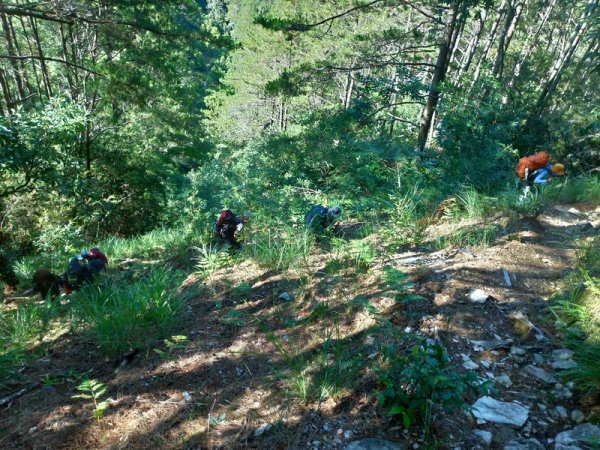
319,218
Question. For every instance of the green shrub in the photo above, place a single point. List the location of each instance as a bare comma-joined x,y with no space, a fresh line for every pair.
466,237
411,383
125,317
281,250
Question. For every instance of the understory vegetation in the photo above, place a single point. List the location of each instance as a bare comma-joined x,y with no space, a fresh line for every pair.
129,126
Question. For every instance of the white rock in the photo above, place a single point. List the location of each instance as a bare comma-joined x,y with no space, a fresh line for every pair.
562,353
564,364
577,416
478,296
262,429
373,444
285,296
541,374
485,437
468,363
347,434
186,396
517,351
524,444
562,412
510,413
585,433
504,380
485,363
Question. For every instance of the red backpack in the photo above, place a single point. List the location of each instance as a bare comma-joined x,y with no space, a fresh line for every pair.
533,162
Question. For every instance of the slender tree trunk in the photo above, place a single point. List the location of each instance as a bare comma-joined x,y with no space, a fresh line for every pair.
43,66
473,43
348,89
5,91
565,58
510,24
439,74
488,43
12,52
63,39
36,75
529,46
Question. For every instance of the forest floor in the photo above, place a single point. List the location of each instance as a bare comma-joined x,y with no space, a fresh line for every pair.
260,371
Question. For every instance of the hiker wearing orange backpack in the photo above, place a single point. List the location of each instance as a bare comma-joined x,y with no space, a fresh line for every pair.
536,169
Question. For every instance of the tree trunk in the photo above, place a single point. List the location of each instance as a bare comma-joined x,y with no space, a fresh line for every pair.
489,42
439,75
565,58
43,66
510,24
12,52
473,43
527,46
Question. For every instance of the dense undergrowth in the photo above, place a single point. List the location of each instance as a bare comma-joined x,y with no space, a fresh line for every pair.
137,307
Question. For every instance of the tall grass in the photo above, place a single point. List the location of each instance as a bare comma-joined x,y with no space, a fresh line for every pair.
578,308
131,316
281,250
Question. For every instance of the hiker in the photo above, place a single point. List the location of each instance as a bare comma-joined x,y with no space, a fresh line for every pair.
227,225
536,169
46,282
97,260
320,218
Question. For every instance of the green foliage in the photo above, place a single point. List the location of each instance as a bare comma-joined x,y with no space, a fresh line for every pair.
358,254
529,203
175,343
413,382
283,250
473,236
128,316
396,282
211,258
94,390
577,309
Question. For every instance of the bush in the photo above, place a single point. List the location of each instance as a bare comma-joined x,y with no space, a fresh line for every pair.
281,250
121,318
412,383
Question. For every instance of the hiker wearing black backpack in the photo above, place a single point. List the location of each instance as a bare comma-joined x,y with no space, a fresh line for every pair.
228,224
319,218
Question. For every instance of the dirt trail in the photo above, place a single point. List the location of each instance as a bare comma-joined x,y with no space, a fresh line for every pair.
227,387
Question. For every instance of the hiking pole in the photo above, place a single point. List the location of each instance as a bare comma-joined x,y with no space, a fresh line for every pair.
559,191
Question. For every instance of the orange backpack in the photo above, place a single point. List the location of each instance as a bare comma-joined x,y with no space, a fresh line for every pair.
533,162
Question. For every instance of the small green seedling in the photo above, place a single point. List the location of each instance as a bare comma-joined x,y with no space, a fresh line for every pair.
94,390
176,342
214,420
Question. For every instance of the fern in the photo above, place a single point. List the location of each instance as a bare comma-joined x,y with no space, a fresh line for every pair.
396,282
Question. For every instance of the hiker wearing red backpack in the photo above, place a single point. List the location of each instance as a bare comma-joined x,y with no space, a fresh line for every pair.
536,169
227,225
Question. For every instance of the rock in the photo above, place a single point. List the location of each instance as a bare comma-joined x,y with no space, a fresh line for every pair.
467,363
585,433
493,344
487,408
517,351
504,380
478,296
485,363
538,358
186,396
564,364
562,412
521,322
373,444
566,447
347,434
285,296
524,444
485,437
541,374
562,353
262,429
562,393
577,416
